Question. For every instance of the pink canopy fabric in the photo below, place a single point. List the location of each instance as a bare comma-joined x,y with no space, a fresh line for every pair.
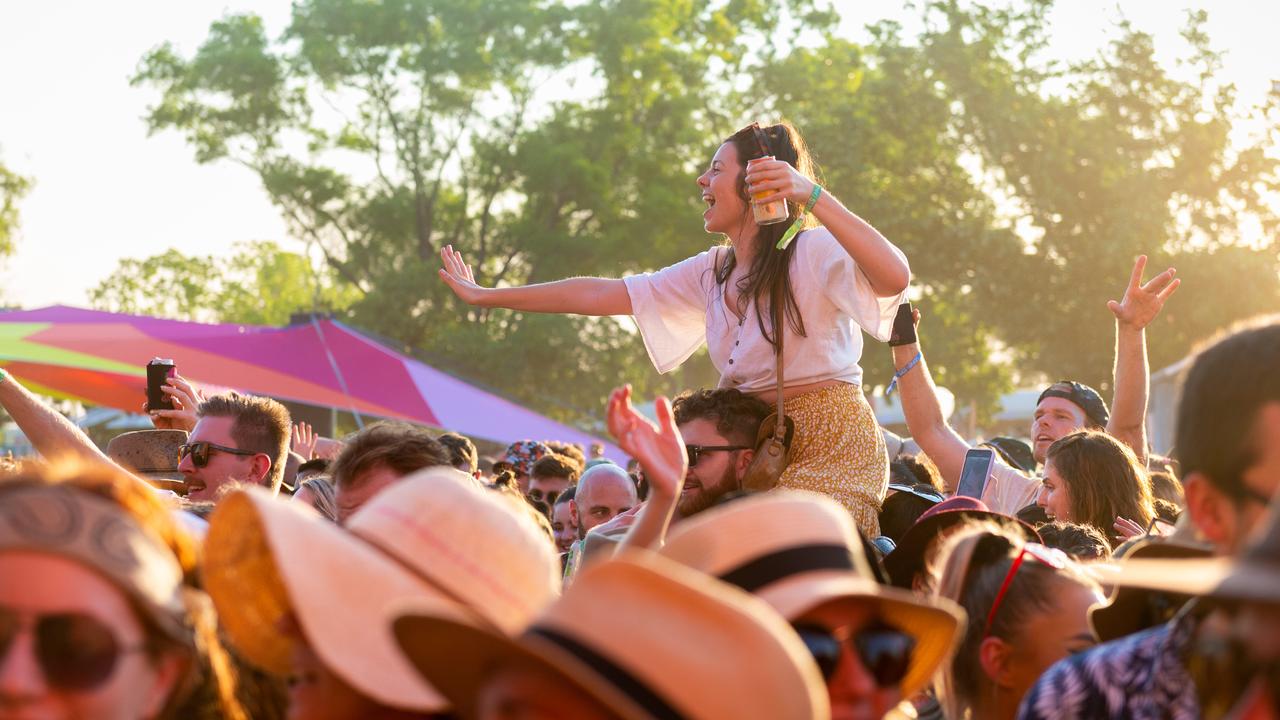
100,358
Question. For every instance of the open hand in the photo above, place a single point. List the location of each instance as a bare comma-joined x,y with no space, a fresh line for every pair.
659,448
457,274
779,180
1142,303
186,399
304,440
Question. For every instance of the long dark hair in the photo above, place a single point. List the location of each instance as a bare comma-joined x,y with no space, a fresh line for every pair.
1104,480
768,274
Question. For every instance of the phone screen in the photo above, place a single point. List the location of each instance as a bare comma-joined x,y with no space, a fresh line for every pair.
977,468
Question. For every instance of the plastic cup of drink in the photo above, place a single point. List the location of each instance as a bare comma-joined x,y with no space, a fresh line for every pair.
771,212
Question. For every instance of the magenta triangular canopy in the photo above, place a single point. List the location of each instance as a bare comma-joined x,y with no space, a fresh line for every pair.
100,358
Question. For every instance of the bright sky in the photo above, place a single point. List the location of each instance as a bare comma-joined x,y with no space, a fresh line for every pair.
105,191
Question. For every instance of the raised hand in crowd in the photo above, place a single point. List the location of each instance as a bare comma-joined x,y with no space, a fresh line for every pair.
1143,302
304,440
186,399
661,452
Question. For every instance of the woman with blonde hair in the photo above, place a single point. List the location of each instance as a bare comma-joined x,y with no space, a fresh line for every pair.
1028,607
791,251
100,615
1090,478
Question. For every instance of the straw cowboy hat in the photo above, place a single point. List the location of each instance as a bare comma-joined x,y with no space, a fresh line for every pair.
1129,609
909,557
642,636
1253,577
266,558
150,454
798,551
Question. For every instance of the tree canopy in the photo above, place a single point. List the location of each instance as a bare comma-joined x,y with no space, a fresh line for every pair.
549,139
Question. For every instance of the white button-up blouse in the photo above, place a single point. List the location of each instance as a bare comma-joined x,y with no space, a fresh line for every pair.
679,307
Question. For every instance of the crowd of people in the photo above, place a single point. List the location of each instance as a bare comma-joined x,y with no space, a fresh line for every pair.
764,550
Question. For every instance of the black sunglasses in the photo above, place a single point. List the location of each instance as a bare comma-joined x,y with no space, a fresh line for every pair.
199,452
75,651
883,650
695,451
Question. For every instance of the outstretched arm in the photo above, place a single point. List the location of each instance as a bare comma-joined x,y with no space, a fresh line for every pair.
1134,312
52,435
661,452
575,296
919,398
884,264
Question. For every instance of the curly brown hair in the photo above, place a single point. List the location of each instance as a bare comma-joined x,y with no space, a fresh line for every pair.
736,414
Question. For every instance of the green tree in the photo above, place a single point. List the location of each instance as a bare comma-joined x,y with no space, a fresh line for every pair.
1106,159
547,139
259,284
13,187
384,131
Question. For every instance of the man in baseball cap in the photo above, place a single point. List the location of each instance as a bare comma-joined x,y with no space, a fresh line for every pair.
1063,408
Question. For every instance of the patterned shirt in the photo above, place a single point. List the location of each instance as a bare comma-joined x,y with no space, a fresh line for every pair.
1138,677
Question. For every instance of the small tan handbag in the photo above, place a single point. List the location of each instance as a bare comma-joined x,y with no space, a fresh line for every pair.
773,442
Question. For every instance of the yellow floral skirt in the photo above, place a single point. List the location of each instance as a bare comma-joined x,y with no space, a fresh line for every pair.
839,451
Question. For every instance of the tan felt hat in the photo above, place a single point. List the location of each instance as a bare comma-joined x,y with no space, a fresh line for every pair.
798,551
152,454
644,637
1133,609
1254,576
468,541
266,558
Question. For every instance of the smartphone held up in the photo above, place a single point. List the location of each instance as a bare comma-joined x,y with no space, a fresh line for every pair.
159,370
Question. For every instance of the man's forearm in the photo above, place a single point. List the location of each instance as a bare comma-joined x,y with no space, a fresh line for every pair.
923,412
1132,377
51,434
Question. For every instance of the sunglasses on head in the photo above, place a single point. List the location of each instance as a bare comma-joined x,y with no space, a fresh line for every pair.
1049,557
75,651
199,452
762,139
883,650
696,451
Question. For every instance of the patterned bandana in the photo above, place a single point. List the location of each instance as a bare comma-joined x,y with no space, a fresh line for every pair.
97,533
522,454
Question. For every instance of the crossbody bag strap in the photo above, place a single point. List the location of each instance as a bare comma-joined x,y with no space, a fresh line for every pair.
779,329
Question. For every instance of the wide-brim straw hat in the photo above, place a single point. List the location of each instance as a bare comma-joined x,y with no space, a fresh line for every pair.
151,454
909,557
469,541
1127,609
267,559
1252,577
642,636
798,551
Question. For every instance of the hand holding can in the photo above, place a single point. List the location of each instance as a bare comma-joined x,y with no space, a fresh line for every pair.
771,212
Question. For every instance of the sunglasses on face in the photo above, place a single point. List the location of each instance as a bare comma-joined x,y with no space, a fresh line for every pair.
883,650
549,498
696,451
1049,557
199,452
75,651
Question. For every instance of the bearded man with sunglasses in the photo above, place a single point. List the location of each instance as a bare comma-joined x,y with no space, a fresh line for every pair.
719,428
237,439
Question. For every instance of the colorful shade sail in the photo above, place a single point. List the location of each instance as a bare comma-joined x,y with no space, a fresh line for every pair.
100,358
